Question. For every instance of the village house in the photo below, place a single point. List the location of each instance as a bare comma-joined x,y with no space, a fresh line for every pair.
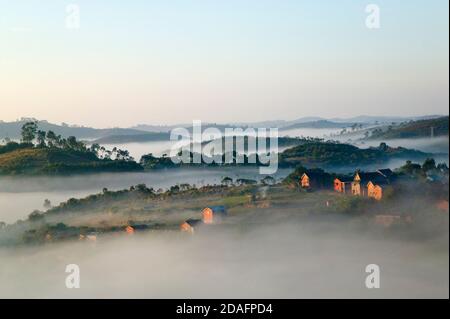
374,191
131,229
305,181
371,184
190,225
213,214
343,184
314,179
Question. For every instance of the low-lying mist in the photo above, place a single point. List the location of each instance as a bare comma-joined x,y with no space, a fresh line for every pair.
430,145
19,196
267,260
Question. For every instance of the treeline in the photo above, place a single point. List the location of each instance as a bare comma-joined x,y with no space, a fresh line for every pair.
413,129
334,154
32,136
41,152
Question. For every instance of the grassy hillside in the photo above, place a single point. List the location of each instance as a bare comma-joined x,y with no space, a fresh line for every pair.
35,160
414,129
247,206
326,154
311,153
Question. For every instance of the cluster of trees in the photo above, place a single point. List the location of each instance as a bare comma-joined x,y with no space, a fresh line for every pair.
354,127
115,153
320,177
150,161
428,168
329,154
32,135
414,129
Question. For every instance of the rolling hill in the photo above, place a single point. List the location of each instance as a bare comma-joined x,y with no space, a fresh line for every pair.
33,160
414,129
328,154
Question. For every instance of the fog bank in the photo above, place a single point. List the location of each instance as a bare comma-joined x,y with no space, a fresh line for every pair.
270,261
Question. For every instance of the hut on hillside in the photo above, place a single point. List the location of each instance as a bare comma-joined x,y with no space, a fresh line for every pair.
343,184
315,179
371,184
190,225
213,214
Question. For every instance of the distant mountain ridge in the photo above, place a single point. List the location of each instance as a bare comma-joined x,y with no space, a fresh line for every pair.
319,124
141,132
414,129
12,130
312,120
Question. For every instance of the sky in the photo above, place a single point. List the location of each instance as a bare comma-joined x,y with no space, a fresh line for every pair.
166,62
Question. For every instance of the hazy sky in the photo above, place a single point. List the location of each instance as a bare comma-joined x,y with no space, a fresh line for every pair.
159,61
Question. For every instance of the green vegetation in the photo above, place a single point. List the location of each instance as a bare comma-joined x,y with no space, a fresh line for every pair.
413,129
12,130
309,152
321,178
52,154
333,154
428,169
248,204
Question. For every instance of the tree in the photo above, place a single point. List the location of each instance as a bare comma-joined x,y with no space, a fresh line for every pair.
175,189
52,139
146,158
142,188
185,187
442,167
429,165
95,148
123,155
383,147
411,168
227,181
268,180
72,142
28,133
35,216
47,204
41,138
108,154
